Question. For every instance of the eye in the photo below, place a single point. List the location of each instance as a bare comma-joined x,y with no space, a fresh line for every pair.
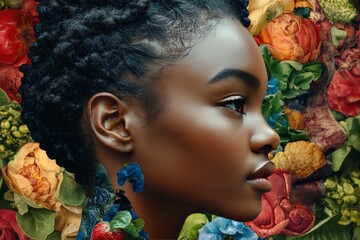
235,103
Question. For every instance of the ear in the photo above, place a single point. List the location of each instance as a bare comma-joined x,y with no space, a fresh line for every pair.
108,120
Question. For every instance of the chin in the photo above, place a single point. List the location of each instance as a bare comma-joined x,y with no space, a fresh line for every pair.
243,213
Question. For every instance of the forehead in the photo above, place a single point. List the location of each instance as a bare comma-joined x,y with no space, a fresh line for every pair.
228,46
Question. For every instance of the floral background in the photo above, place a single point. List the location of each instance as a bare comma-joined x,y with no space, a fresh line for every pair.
312,53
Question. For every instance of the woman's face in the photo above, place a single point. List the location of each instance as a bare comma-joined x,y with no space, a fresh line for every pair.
207,148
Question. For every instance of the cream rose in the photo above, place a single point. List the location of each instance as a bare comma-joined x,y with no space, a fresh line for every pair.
34,175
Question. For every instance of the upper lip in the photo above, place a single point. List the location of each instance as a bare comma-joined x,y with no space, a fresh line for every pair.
264,170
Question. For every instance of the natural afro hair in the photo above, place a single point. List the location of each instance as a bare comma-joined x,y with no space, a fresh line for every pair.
88,46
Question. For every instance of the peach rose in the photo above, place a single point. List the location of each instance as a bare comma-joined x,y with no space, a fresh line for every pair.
291,37
33,175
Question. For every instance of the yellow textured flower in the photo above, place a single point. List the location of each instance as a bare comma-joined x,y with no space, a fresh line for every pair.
34,175
301,158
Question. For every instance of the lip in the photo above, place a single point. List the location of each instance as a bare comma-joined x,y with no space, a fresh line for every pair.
258,178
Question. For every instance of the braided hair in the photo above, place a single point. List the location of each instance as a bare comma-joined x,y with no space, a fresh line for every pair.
89,46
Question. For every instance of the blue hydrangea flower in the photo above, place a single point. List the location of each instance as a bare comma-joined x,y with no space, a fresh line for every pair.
221,227
272,86
132,173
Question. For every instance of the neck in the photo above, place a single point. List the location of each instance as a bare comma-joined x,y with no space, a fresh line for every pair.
163,218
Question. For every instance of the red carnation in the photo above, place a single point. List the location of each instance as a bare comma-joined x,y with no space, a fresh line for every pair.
9,229
16,33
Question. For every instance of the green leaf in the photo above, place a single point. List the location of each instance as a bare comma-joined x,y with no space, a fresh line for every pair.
339,156
139,224
121,220
356,233
54,236
71,193
131,230
192,225
4,97
338,116
272,104
37,223
282,72
20,204
328,229
337,35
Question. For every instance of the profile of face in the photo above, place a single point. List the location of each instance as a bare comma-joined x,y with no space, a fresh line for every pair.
206,150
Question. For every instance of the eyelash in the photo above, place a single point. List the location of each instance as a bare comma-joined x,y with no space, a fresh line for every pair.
235,103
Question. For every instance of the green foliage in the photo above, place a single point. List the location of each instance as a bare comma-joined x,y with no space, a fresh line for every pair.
193,224
288,134
294,78
37,223
71,193
328,229
343,196
131,228
350,151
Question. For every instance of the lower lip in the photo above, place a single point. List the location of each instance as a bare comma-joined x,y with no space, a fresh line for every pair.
261,184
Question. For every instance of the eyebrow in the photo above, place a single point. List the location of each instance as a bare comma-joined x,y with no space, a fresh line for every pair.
243,76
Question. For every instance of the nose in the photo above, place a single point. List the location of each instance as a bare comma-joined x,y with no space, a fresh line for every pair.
264,139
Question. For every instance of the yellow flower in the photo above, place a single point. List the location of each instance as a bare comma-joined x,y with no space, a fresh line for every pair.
34,175
300,158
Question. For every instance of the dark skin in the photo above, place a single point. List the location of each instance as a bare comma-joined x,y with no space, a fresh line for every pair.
206,151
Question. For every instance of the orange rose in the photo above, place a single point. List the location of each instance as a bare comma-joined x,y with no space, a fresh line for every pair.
33,175
291,37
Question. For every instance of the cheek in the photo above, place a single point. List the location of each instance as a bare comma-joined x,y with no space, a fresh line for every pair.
197,147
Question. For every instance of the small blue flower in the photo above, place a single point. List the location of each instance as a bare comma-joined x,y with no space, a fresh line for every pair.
143,234
132,173
221,227
133,214
272,86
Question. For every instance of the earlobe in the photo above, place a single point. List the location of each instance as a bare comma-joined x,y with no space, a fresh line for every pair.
107,118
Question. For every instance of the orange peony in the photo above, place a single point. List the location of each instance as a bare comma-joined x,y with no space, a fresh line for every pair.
291,37
33,175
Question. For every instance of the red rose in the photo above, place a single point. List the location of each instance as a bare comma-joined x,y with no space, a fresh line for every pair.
10,80
344,92
278,214
9,229
16,33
